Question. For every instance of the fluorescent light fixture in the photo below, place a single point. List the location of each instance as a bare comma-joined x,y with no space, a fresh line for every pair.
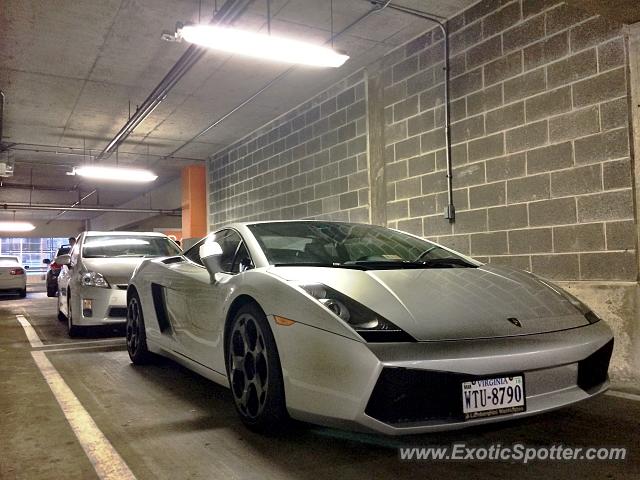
262,46
115,173
16,227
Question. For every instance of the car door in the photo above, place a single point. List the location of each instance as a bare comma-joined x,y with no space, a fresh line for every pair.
65,278
195,305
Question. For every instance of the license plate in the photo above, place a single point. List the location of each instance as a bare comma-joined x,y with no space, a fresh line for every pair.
493,396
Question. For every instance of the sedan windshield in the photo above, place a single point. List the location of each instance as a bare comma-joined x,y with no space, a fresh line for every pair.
350,246
128,246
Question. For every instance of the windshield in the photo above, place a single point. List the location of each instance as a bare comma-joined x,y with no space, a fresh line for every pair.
128,246
63,250
343,244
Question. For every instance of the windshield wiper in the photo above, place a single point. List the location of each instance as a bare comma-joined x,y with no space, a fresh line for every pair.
447,263
321,264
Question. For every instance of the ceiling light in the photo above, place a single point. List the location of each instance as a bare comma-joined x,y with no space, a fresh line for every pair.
16,227
261,46
115,173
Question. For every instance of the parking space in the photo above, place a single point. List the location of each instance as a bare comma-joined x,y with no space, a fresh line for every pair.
167,422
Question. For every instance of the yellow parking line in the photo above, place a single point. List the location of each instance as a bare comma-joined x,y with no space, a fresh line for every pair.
107,463
625,395
30,332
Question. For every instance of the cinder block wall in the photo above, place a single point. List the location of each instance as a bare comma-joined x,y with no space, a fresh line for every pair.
541,153
540,135
309,163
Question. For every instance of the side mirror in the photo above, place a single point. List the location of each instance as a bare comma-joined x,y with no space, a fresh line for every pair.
26,267
46,261
63,259
211,253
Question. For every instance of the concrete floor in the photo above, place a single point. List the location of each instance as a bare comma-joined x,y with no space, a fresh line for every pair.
166,422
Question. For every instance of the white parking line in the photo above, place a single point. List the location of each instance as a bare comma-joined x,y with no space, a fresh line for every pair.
107,463
30,332
115,341
625,395
90,347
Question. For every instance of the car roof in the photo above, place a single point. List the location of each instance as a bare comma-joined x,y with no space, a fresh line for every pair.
139,234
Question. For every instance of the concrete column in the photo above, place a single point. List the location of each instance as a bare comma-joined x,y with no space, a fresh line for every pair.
375,121
634,104
194,198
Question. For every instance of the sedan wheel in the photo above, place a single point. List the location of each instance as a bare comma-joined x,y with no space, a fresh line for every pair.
136,333
255,375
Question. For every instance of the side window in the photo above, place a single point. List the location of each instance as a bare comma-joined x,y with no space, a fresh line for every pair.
229,241
242,261
193,253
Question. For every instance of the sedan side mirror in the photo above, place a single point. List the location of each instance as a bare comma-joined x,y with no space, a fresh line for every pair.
46,261
210,254
63,259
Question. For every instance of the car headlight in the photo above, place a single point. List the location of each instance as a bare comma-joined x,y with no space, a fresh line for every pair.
94,279
581,307
367,323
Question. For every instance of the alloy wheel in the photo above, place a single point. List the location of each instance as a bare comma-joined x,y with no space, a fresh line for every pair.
133,326
248,367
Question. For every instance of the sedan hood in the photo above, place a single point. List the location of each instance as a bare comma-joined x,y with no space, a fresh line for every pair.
451,303
115,270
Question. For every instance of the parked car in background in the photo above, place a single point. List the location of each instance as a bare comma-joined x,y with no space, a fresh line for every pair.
13,276
54,271
95,275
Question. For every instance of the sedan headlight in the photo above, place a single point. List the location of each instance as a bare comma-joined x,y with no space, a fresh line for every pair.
368,324
94,279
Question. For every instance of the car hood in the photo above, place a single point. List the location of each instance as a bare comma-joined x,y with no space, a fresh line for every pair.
115,270
451,303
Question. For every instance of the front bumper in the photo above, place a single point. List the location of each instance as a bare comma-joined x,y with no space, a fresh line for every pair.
416,387
108,306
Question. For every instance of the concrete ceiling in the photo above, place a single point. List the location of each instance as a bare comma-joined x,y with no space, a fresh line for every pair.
72,69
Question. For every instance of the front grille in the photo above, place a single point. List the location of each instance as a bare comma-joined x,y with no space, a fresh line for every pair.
592,371
118,312
404,395
122,286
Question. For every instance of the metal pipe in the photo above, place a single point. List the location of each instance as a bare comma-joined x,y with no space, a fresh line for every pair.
450,212
97,208
1,117
229,12
95,190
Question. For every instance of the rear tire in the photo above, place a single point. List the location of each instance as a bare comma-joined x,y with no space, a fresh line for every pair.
23,293
254,371
136,334
52,292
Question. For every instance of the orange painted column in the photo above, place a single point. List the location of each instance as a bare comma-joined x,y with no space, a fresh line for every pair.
194,202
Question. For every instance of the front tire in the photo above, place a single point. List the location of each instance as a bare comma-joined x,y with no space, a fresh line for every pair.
254,371
136,334
74,331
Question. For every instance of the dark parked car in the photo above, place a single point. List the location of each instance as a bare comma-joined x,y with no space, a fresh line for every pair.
54,271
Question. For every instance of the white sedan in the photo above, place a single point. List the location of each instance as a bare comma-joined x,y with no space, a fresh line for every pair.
13,276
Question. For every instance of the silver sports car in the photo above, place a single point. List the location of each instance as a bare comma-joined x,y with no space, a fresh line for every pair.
363,327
